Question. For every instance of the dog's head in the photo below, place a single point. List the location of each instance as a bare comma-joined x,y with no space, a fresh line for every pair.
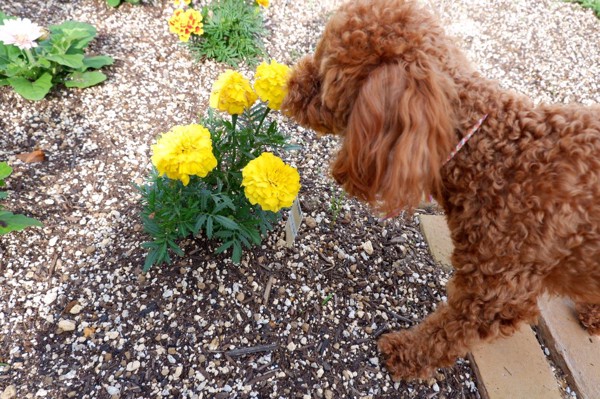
381,78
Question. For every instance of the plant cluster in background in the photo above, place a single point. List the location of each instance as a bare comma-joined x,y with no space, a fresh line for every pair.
34,59
9,221
594,5
222,178
116,3
228,31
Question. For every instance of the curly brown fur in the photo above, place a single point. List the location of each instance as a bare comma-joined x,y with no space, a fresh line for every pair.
522,198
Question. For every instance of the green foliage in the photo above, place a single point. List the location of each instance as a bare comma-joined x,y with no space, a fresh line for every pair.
58,59
9,221
594,5
336,203
116,3
215,205
233,31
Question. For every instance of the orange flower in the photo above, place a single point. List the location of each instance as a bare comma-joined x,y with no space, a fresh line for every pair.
185,23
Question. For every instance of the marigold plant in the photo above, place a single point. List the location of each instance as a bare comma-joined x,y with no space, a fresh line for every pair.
228,31
219,179
185,23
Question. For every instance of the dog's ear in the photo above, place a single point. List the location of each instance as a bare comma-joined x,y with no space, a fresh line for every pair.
303,101
399,133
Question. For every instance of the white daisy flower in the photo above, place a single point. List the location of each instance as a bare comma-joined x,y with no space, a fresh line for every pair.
21,32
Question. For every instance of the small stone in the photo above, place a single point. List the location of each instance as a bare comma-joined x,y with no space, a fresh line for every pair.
328,394
164,371
291,346
76,309
240,297
90,249
112,335
172,350
368,247
214,344
66,325
311,222
10,392
50,297
113,390
133,366
88,332
178,371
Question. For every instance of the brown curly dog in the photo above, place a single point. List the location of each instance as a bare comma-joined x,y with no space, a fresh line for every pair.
522,197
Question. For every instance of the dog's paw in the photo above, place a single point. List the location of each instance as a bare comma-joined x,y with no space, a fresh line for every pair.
589,317
402,357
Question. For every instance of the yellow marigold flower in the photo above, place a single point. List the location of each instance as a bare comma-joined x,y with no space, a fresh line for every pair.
184,151
270,183
184,23
264,3
271,83
181,2
232,93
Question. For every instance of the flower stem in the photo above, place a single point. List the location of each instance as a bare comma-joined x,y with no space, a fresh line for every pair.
262,119
234,118
30,57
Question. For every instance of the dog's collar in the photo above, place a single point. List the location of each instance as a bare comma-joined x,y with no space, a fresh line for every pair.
460,145
464,140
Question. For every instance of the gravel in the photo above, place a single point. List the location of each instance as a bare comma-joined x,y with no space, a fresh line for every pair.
78,319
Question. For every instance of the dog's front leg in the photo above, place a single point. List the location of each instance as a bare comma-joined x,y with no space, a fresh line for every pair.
476,310
589,316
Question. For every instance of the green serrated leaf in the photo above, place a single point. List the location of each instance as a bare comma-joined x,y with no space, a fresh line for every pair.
224,247
173,246
209,227
84,79
32,90
236,256
199,223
